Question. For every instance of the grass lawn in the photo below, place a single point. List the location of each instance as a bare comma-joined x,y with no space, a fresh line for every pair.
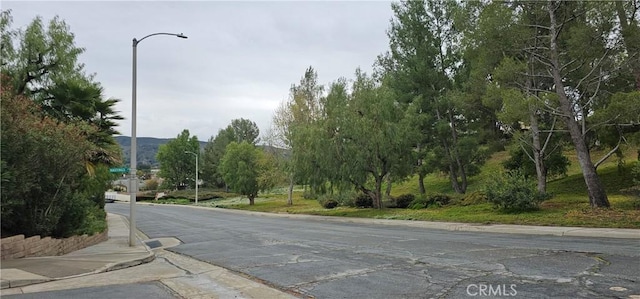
568,207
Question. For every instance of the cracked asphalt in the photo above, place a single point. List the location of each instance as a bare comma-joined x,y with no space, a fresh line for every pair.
326,259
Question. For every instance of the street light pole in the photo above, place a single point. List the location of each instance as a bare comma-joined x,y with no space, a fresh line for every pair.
133,178
188,152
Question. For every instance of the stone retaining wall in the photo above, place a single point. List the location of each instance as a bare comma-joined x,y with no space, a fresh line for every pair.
18,246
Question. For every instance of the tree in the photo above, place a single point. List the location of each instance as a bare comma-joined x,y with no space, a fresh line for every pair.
301,109
41,57
570,67
423,67
213,153
42,64
240,168
245,130
52,110
370,135
238,131
42,170
176,165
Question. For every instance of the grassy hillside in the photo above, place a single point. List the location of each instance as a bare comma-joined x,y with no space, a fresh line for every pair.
568,207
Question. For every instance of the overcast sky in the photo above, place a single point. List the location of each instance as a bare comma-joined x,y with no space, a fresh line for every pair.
239,61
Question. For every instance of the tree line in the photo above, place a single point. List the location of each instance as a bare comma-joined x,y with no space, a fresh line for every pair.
463,79
57,133
460,81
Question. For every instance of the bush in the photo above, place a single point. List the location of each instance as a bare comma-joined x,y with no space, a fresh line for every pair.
345,199
513,192
327,202
363,201
474,198
438,199
403,201
419,203
151,184
425,201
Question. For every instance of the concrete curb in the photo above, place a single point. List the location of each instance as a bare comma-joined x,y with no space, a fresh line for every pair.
37,279
7,284
562,231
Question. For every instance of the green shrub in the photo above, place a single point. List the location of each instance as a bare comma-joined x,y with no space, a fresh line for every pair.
438,199
345,199
403,201
424,201
513,192
474,198
421,202
145,197
363,201
327,201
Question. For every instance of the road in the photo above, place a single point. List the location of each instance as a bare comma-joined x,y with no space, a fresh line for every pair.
329,259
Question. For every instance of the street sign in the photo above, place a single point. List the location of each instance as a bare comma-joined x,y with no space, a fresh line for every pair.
119,170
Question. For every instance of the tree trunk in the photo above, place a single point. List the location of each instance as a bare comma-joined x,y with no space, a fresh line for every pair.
377,200
251,199
454,179
388,191
597,194
538,155
421,183
456,155
290,193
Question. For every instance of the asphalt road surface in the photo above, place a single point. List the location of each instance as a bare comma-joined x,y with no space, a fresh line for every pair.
329,259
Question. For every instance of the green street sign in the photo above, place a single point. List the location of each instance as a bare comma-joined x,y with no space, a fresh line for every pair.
119,170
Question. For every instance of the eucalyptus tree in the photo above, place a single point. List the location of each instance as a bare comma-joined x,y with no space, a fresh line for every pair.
368,134
290,120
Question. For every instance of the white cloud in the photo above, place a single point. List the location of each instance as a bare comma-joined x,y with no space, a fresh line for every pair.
239,61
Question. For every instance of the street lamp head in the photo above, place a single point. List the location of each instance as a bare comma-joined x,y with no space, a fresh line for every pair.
181,35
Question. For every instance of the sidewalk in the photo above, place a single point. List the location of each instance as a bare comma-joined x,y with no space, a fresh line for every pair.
93,267
113,254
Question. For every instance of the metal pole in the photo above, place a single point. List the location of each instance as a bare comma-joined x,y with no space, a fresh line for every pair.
133,179
197,176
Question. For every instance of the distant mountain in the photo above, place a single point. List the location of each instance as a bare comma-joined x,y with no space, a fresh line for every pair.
147,148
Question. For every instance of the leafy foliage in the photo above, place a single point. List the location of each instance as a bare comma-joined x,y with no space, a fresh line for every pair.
328,203
238,131
363,200
557,163
474,198
43,175
403,201
177,166
513,192
241,170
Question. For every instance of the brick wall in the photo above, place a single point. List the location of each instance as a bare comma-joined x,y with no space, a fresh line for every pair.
18,246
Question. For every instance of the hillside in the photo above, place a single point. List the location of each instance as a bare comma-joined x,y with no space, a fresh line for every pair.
147,148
